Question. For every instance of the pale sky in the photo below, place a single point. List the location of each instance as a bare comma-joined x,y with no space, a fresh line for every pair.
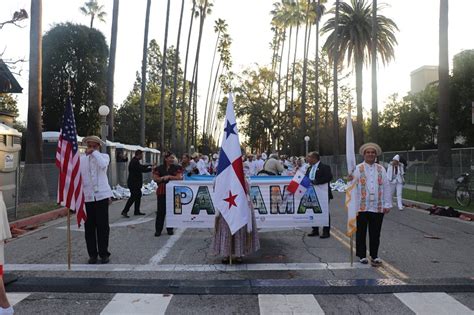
249,27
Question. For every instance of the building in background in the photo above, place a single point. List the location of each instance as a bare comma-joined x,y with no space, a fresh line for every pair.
421,77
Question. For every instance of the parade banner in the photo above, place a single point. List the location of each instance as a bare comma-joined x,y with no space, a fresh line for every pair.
190,204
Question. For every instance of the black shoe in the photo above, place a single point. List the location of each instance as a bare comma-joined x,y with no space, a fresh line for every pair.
170,232
92,260
125,215
325,235
313,233
139,213
157,234
104,260
225,260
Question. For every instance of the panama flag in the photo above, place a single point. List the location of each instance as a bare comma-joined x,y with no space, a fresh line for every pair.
299,183
351,200
230,195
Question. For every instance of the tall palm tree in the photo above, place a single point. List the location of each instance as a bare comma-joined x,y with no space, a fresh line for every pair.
373,47
443,184
93,9
184,144
144,66
175,82
336,52
34,189
163,81
307,37
354,43
319,11
111,69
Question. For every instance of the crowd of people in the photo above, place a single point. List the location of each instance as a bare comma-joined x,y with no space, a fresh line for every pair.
375,187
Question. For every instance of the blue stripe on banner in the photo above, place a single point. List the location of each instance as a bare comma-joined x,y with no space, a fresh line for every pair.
252,178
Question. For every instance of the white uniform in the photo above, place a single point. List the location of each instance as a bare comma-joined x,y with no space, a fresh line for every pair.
395,177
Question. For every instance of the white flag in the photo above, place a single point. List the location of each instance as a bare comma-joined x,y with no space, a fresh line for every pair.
230,194
351,202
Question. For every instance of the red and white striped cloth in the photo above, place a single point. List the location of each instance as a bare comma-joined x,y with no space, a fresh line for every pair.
70,193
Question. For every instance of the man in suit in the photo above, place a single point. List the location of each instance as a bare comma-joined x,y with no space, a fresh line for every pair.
319,174
135,183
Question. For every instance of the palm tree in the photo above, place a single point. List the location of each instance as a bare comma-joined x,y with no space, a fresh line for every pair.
335,123
319,11
373,47
175,81
184,144
144,66
444,183
34,189
93,9
111,69
355,41
307,38
163,81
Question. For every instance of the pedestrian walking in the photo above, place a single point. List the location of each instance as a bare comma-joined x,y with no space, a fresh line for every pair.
373,200
162,175
135,183
97,194
395,174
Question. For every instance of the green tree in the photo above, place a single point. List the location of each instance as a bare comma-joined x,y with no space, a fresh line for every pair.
93,9
8,104
74,56
355,37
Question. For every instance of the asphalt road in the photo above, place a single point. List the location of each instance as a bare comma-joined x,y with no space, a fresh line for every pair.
432,253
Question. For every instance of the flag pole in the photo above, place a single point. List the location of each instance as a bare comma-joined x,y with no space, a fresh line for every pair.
231,248
68,239
352,249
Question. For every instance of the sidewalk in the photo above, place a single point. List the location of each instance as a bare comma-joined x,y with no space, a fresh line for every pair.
428,189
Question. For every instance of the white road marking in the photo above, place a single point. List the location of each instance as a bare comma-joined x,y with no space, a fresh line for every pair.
15,298
433,303
125,223
163,252
184,268
129,303
288,304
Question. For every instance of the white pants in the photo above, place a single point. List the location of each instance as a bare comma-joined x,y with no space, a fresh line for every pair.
398,187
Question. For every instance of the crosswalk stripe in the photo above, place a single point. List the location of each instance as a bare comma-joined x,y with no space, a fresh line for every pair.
135,303
433,303
15,298
288,304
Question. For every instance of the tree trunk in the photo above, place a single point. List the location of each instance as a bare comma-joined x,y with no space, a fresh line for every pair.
288,74
316,90
33,186
335,130
175,82
279,94
163,82
375,113
303,88
359,136
111,69
184,144
444,183
144,65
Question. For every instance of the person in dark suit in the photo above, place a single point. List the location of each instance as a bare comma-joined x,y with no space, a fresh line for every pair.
135,183
319,174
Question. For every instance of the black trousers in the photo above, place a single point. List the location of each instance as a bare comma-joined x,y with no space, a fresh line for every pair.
160,215
373,221
97,228
135,197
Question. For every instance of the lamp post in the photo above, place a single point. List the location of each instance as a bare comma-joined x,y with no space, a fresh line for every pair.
306,139
103,112
191,149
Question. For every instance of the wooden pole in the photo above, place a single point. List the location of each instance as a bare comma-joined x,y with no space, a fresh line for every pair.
231,248
68,239
352,249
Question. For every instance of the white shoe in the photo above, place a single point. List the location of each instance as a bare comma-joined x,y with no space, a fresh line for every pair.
6,311
401,209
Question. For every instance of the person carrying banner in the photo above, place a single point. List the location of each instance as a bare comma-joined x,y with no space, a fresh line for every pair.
135,183
319,174
5,307
373,201
162,175
395,173
97,194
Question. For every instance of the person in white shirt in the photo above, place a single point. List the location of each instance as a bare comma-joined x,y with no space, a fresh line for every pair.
200,164
97,194
395,175
251,164
5,306
374,200
259,162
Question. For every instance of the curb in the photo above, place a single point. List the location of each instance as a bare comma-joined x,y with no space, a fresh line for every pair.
38,219
425,206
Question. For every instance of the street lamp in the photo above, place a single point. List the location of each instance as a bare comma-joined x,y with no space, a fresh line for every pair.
103,112
191,149
306,139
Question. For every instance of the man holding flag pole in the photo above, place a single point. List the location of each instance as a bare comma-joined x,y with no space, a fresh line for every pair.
235,226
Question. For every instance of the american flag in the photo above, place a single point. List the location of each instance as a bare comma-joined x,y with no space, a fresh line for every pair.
70,193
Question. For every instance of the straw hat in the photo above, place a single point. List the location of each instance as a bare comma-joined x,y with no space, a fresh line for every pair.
370,145
93,139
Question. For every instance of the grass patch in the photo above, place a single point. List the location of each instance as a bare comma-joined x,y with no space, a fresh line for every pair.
425,197
25,210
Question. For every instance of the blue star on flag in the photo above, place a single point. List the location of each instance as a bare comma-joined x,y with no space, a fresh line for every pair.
229,129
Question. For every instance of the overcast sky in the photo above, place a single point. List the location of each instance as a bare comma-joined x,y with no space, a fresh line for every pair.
249,27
